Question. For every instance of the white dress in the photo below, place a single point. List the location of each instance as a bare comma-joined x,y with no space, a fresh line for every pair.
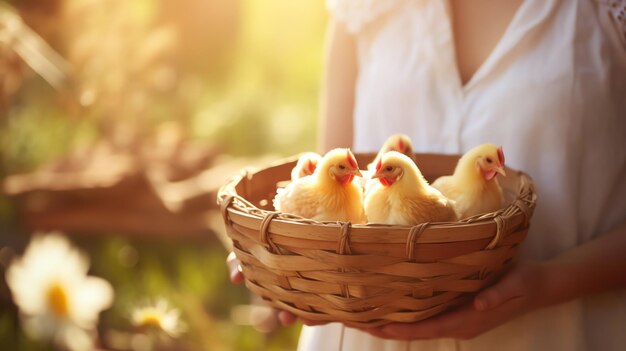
553,93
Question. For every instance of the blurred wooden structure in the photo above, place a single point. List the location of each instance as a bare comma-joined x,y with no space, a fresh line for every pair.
168,191
143,176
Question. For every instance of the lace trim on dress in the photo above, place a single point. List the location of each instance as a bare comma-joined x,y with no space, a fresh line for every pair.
355,14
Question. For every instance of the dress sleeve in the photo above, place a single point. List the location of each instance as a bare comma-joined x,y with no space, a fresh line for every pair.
356,14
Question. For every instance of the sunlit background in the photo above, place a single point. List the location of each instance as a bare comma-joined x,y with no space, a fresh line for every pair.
119,120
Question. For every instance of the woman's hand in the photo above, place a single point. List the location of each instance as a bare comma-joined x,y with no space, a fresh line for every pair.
236,276
234,268
521,290
596,266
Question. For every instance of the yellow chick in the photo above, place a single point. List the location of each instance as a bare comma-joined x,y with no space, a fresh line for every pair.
402,196
306,165
474,186
329,194
397,142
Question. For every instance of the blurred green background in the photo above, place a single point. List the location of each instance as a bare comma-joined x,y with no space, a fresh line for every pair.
176,86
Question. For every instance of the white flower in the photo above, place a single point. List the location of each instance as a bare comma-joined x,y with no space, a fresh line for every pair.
56,298
159,316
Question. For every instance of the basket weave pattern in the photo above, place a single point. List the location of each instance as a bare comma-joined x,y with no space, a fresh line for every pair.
369,275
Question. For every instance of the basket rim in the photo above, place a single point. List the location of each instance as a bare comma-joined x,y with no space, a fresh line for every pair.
232,204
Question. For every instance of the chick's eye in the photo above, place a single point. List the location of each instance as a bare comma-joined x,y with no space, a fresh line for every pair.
342,167
388,169
489,160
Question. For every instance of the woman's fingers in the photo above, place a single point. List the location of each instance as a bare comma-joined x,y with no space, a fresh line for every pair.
496,295
234,267
516,283
286,318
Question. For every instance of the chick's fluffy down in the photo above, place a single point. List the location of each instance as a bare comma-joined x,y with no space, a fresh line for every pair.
307,199
403,196
329,194
474,185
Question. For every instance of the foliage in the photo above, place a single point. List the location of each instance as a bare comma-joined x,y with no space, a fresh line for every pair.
240,76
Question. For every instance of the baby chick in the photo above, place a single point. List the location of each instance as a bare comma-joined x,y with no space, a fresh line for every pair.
328,194
402,196
473,185
306,165
397,142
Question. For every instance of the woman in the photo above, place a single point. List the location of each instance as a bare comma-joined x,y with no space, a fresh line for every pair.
547,80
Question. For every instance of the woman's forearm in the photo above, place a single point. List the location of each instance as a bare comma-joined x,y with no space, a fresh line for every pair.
337,96
594,267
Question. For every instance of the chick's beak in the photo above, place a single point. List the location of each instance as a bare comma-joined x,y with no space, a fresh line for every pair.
357,172
500,170
377,175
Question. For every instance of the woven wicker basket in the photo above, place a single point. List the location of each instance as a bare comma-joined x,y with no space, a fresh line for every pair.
369,275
